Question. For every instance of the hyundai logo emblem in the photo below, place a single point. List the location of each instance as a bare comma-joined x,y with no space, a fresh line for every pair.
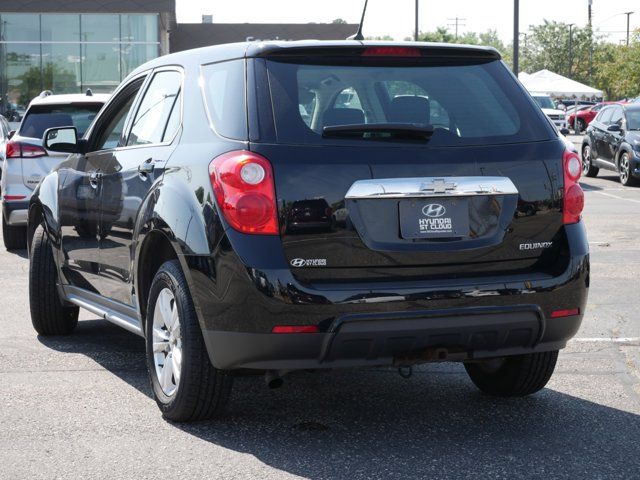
298,262
433,210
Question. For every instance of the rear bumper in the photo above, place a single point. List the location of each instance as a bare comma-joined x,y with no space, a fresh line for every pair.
401,338
15,213
377,323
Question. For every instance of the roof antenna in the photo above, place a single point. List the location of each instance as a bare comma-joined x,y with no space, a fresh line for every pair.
358,36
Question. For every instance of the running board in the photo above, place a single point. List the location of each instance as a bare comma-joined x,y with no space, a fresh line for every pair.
117,315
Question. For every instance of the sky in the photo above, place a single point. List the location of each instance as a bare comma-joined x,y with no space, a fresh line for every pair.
396,18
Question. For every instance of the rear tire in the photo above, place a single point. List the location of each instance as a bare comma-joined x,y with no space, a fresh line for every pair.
15,238
582,125
515,376
198,391
588,170
48,314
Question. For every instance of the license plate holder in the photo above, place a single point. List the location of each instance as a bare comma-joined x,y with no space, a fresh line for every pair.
434,218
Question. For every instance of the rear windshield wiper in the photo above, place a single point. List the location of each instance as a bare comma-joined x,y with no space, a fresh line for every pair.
380,130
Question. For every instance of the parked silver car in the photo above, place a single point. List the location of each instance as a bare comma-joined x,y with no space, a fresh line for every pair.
27,162
5,131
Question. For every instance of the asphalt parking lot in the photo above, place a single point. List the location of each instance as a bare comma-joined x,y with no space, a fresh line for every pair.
80,406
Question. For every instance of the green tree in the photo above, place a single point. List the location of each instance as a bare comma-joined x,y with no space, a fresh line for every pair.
382,38
339,21
489,38
546,46
34,80
618,69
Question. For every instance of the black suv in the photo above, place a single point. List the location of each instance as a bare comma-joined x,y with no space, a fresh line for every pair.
612,142
208,212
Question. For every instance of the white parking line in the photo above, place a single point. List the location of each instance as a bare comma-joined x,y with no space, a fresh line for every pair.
617,197
606,339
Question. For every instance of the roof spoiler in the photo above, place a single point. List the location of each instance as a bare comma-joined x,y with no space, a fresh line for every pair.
356,49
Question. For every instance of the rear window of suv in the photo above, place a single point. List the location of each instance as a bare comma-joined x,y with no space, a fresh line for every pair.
39,118
467,103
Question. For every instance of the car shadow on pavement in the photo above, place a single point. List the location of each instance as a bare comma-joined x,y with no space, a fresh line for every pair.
375,424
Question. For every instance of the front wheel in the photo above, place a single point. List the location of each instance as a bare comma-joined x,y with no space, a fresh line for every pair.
588,170
186,386
49,315
515,376
582,125
624,170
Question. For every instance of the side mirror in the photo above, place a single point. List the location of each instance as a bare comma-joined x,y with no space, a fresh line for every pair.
11,134
614,128
564,131
61,139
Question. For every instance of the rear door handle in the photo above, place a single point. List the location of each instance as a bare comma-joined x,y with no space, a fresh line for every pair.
146,167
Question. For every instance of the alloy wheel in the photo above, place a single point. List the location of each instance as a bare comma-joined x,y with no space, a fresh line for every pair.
167,342
586,159
624,168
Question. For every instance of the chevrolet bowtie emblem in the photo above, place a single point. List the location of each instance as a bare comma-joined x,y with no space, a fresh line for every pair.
439,185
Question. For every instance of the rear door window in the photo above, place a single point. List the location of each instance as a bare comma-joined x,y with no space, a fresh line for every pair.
616,116
604,116
467,104
42,117
160,99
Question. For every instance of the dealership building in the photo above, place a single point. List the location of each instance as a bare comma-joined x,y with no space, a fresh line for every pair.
68,46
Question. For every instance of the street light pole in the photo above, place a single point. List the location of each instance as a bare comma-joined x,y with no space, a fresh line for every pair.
516,36
628,14
570,47
417,31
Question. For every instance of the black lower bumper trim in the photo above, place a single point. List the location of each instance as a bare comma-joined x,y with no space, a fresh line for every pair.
399,338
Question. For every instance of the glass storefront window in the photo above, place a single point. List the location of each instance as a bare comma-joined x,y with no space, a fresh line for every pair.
134,55
58,27
139,28
70,52
61,67
100,28
100,66
21,62
19,27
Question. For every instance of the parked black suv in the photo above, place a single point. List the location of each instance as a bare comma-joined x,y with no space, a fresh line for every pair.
181,216
612,142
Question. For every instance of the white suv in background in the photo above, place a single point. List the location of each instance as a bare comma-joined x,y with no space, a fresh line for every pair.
27,162
545,102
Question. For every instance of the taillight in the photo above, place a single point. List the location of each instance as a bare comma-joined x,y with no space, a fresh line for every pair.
573,202
391,52
23,150
242,182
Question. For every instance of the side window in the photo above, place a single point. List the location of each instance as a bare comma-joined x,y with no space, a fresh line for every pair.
224,92
597,108
151,119
174,121
605,116
616,116
110,133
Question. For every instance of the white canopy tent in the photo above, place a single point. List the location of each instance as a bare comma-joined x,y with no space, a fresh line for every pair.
558,86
